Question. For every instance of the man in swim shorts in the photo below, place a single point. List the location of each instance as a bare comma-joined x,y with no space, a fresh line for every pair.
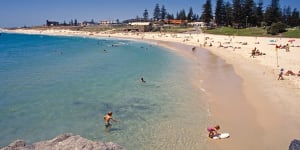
107,119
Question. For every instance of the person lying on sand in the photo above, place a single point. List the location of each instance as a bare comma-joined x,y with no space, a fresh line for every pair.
289,72
213,131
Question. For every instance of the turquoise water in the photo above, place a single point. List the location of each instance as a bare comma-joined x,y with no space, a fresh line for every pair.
51,85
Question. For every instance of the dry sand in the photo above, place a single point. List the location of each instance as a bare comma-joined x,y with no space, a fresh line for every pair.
259,111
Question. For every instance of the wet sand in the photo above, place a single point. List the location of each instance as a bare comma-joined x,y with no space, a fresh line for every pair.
239,102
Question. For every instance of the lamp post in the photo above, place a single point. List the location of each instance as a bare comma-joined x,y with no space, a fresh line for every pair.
246,21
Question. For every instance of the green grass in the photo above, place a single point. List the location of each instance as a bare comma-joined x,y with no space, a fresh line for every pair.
238,32
178,29
291,33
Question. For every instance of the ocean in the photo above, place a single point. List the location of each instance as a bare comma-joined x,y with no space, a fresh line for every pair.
51,85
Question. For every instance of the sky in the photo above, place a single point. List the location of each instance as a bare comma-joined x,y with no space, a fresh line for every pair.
19,13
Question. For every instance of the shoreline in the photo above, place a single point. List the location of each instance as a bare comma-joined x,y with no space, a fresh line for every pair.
263,114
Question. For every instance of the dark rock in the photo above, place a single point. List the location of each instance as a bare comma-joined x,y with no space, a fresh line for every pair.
65,141
295,145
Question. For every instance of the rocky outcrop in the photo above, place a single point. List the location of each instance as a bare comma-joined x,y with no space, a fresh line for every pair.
66,141
295,145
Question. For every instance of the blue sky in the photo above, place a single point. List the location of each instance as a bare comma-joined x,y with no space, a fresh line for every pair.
16,13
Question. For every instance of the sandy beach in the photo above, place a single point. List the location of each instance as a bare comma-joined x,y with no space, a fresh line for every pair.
259,111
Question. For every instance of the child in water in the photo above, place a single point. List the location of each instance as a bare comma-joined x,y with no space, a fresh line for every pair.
213,131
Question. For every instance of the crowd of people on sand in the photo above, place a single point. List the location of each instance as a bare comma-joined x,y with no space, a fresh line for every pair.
287,73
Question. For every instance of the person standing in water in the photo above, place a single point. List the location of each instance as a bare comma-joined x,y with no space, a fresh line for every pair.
107,119
142,79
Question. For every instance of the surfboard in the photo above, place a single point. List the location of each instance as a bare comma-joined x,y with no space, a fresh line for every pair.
221,136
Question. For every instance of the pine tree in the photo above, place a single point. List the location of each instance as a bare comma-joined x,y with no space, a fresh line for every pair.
273,14
146,15
190,14
220,13
207,12
249,12
163,12
295,18
156,13
170,16
182,15
259,14
286,15
75,22
228,14
237,14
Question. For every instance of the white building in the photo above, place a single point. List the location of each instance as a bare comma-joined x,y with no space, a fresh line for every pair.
200,24
139,23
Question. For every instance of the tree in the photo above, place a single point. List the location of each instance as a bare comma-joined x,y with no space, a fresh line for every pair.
163,12
276,28
259,14
75,22
146,15
220,14
237,14
207,12
190,14
195,17
170,16
248,12
294,20
286,15
182,15
71,22
272,14
156,12
228,14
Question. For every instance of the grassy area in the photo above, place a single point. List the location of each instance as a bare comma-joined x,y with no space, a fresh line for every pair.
238,32
292,33
178,29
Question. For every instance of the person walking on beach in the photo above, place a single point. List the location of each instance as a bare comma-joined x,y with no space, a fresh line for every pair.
107,119
213,131
280,76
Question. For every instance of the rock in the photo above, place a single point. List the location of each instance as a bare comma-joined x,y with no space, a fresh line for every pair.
65,141
295,145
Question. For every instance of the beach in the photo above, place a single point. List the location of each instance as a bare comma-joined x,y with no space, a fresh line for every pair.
259,111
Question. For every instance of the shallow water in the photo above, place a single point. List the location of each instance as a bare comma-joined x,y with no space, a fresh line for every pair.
50,85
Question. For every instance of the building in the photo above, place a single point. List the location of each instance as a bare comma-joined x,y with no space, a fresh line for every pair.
139,26
106,22
52,23
199,24
176,22
89,23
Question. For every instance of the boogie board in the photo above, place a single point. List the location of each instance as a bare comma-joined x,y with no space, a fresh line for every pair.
221,136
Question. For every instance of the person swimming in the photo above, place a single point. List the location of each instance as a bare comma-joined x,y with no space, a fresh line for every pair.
142,79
